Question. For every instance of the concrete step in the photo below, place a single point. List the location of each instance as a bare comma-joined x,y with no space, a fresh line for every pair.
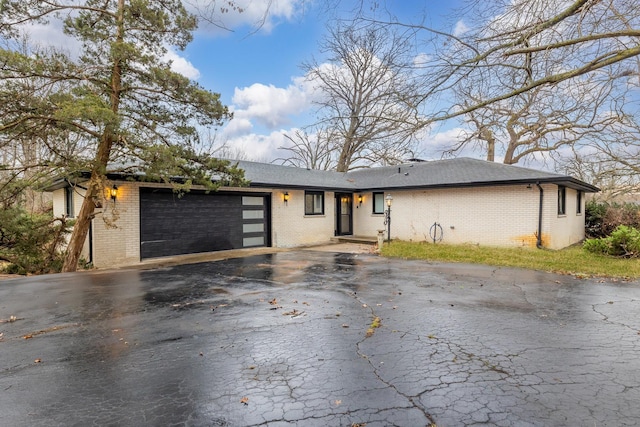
355,239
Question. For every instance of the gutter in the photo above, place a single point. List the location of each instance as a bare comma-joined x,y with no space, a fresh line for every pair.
539,241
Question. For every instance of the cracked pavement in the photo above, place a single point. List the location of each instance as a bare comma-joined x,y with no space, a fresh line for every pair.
290,339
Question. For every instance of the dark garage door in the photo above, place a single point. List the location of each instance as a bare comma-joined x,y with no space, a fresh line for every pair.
199,222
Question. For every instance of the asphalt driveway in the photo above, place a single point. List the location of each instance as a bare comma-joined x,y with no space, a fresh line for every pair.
315,338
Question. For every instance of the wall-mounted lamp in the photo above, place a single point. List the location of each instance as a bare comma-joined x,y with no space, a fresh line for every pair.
359,199
113,192
285,197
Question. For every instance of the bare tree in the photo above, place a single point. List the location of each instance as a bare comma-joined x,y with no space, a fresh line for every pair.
588,36
368,105
316,151
536,123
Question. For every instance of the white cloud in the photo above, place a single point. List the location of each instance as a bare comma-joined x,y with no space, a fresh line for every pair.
460,28
237,126
269,105
52,35
257,14
181,65
434,143
258,148
421,59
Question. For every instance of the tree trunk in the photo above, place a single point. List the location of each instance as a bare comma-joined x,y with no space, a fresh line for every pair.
487,135
81,228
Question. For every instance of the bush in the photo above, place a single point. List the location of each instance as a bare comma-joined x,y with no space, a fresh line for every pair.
594,218
623,242
601,219
599,246
31,243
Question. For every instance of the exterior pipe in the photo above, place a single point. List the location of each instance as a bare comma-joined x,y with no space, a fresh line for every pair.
539,241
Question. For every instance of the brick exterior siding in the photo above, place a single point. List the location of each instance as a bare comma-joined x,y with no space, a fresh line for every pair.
496,216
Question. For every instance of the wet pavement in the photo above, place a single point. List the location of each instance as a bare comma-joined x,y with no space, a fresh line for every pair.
315,338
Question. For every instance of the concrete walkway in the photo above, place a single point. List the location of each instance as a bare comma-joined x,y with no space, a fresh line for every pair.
317,338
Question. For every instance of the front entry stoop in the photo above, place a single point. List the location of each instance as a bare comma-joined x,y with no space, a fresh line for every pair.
355,239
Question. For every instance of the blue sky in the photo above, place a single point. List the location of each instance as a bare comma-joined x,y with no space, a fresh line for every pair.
257,71
258,74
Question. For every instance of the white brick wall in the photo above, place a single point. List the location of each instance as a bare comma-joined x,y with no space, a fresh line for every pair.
568,229
291,227
496,216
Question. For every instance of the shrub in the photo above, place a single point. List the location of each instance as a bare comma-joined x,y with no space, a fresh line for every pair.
31,243
594,218
601,219
597,246
623,242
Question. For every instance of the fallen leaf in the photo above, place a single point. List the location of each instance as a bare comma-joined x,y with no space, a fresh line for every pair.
28,336
245,400
337,402
394,307
11,319
273,302
37,361
305,303
344,325
364,305
293,313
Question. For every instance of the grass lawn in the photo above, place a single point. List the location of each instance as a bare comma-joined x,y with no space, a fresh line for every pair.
573,260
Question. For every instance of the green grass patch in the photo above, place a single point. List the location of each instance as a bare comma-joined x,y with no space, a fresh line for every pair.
573,260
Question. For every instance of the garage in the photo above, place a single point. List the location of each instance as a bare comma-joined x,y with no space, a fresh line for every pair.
199,222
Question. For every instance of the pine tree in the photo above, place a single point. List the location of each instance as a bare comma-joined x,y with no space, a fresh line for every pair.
115,103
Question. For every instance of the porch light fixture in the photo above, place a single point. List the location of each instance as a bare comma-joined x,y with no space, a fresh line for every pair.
285,197
359,199
387,216
113,192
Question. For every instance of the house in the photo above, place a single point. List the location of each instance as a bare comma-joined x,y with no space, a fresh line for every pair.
455,201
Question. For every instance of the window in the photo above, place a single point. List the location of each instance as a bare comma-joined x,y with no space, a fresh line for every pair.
562,200
68,202
313,203
378,203
579,203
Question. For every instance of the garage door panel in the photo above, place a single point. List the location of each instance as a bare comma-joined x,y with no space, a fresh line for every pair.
199,222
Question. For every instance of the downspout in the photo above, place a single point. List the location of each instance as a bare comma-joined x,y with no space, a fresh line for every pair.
539,241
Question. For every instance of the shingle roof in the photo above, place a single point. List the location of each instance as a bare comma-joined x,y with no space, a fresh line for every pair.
270,175
460,172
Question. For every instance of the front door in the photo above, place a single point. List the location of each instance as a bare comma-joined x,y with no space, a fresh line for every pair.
344,222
